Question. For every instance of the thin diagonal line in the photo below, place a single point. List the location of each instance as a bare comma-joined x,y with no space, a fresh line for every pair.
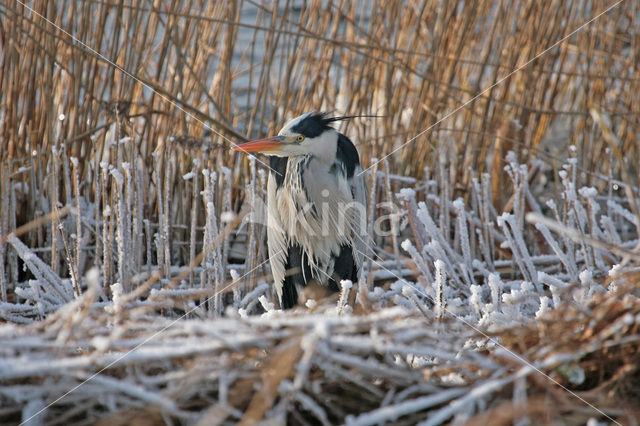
449,114
233,282
130,75
519,357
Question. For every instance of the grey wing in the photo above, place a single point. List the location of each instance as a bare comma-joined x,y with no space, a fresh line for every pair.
361,239
276,238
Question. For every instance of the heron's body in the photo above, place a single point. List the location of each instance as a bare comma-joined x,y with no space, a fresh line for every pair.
316,204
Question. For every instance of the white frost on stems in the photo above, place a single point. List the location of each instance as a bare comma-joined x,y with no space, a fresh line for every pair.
471,398
308,344
610,232
407,193
445,191
488,212
417,259
120,141
544,307
618,209
117,176
268,306
569,247
123,256
34,413
194,216
138,235
475,300
575,211
496,286
556,296
439,287
370,217
393,219
520,402
313,407
614,273
158,241
484,249
165,216
407,196
117,298
408,291
136,391
518,175
250,259
252,297
518,247
435,233
49,280
439,247
463,233
345,289
481,267
212,249
586,278
589,194
571,195
98,257
434,249
3,277
551,280
569,266
128,218
518,299
393,412
227,208
79,240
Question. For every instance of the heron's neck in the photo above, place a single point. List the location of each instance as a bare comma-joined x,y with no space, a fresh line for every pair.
324,148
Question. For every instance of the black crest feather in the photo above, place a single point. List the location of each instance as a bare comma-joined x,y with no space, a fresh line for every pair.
316,123
348,117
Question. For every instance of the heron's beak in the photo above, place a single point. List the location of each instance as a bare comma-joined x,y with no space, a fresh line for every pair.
274,143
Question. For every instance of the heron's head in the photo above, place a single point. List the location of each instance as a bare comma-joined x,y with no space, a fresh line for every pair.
310,133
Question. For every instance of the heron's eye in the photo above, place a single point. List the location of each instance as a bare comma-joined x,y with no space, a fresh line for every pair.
299,138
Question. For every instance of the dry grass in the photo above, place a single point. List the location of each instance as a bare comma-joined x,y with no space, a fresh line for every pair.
105,161
413,64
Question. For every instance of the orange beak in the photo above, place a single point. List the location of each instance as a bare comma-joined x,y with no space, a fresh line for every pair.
262,145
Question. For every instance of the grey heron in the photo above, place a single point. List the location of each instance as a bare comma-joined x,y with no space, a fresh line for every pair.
316,204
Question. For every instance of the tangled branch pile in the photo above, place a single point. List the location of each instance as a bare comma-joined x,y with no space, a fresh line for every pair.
395,365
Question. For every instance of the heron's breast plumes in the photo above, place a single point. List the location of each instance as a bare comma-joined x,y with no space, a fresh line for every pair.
318,212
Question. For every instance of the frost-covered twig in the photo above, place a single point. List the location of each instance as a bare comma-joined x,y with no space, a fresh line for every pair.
42,271
577,236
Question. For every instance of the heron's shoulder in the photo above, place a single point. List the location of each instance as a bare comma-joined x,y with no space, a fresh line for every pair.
347,154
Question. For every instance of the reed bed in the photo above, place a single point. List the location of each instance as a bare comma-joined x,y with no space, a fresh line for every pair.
394,365
131,257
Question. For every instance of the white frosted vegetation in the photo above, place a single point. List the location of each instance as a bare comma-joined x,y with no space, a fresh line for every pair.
417,345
